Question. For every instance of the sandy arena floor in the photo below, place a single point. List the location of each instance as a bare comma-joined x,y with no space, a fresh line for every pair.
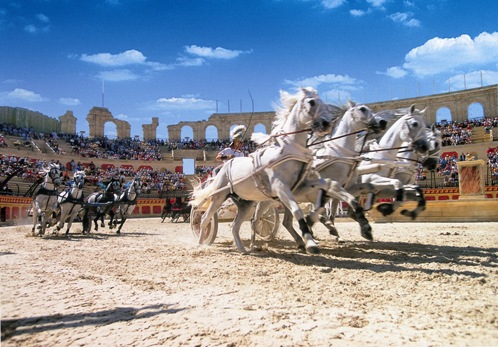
416,285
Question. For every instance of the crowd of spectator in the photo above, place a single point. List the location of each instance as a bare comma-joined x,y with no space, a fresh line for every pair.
460,133
161,182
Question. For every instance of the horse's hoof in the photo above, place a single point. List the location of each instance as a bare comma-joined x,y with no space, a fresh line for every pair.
312,249
333,231
366,233
409,214
311,246
386,209
118,232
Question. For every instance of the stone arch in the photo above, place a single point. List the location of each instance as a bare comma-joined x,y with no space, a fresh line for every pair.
261,128
223,122
187,131
475,110
110,130
211,133
443,114
457,102
98,116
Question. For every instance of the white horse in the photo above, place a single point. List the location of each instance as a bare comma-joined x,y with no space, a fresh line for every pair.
71,201
337,159
45,200
127,201
272,172
335,149
408,173
409,132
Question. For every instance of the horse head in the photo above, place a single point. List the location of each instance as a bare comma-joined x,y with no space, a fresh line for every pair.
79,179
316,112
359,117
53,173
301,111
413,130
435,144
137,185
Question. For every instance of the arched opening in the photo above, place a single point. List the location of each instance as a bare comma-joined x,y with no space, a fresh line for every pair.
110,130
187,133
211,133
475,111
260,128
443,115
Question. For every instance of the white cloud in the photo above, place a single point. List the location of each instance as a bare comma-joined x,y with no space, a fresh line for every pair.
376,3
128,57
405,18
118,75
213,53
70,101
42,18
333,79
394,72
34,29
30,28
440,55
357,13
25,95
330,4
182,103
184,61
473,79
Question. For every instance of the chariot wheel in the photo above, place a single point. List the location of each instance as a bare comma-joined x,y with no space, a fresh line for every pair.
266,220
211,229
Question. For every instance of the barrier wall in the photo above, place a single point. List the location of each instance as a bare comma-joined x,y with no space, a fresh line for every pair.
14,210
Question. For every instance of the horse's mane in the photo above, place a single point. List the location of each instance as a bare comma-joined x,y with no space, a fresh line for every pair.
287,102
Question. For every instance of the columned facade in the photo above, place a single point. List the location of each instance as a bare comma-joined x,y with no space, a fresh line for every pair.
223,122
457,102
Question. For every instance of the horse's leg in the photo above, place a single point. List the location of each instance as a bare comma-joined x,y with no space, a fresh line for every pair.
287,223
414,192
329,220
337,191
244,209
123,214
285,195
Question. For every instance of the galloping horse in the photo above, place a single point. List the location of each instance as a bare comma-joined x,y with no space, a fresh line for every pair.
100,204
71,201
407,174
127,201
336,158
272,172
408,131
45,199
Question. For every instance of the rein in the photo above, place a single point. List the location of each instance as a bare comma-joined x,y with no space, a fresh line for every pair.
335,138
385,149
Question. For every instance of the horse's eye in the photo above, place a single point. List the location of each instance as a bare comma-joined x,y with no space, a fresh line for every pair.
415,124
312,102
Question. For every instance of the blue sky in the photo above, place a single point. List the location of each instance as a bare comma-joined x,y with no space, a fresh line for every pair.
185,60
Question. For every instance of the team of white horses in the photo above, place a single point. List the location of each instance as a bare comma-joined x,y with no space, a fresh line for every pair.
316,153
323,154
51,207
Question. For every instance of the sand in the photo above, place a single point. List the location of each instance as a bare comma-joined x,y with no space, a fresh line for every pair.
418,284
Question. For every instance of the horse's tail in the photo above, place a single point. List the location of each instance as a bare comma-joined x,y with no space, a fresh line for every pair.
200,193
